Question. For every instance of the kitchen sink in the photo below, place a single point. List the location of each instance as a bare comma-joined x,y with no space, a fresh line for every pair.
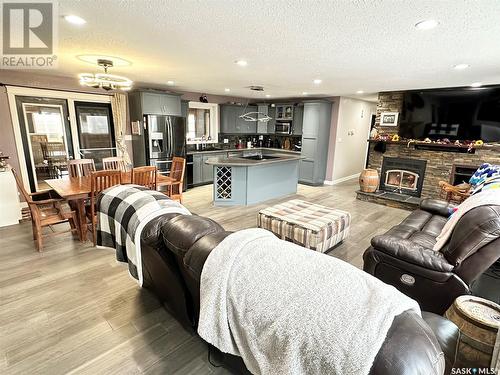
259,157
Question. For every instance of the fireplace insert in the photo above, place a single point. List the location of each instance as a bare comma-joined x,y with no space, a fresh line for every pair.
402,175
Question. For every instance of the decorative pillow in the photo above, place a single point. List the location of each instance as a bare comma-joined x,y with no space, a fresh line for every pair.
491,183
484,172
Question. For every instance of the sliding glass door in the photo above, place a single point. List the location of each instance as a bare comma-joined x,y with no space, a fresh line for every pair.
95,131
47,139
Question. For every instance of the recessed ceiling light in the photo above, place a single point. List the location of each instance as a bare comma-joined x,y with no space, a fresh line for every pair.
461,66
170,83
75,20
305,93
476,84
227,90
426,24
268,96
317,81
360,92
241,62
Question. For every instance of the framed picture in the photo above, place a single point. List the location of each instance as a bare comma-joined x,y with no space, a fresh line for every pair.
389,118
136,127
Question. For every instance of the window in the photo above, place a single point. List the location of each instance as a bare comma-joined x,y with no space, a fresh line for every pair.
202,123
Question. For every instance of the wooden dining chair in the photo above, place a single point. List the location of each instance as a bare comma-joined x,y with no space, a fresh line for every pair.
100,181
145,176
80,167
46,211
114,163
174,189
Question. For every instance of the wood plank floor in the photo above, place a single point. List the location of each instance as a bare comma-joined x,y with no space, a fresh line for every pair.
74,309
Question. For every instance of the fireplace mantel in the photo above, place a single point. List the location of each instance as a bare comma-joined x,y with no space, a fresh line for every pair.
430,146
439,163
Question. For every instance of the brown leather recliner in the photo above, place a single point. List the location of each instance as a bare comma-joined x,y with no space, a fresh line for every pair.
403,256
175,248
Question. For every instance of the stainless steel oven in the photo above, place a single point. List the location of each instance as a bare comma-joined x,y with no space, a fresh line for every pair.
283,127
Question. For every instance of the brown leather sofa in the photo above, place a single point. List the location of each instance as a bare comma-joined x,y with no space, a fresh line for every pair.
175,248
403,256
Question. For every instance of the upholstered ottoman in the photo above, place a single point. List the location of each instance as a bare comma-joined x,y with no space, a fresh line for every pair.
311,225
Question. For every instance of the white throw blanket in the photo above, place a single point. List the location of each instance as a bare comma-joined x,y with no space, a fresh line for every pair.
484,198
288,310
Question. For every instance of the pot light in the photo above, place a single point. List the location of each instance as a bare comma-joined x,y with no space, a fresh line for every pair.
426,24
268,96
227,90
75,20
317,81
305,93
461,66
241,62
476,84
360,92
170,83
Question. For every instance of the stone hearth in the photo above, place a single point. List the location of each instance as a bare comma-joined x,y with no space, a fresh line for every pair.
404,201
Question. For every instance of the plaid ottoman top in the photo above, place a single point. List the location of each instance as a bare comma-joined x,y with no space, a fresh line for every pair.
305,214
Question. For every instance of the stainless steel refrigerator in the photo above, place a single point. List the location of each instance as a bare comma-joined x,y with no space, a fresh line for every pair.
163,137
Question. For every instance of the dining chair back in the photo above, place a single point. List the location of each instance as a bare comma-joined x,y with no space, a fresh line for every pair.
177,174
80,167
114,163
145,176
46,210
100,181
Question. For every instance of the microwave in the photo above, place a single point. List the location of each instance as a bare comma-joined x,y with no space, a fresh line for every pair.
283,127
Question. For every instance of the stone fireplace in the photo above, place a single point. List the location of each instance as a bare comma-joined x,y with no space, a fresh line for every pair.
402,175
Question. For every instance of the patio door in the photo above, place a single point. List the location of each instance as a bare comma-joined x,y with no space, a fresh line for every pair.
95,131
47,140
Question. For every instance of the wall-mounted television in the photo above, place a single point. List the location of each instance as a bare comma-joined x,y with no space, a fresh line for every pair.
457,113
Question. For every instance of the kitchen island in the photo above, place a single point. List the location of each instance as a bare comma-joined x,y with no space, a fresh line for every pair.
254,177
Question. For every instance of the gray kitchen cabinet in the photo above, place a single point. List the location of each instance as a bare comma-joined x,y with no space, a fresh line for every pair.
227,121
263,110
204,173
298,120
197,168
231,123
155,103
271,123
207,171
315,137
184,108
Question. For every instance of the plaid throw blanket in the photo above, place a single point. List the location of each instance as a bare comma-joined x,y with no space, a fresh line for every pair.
123,211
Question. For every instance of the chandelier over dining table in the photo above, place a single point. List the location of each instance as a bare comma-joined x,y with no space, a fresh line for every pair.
105,80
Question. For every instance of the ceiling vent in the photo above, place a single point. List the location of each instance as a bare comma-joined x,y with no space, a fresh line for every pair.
256,88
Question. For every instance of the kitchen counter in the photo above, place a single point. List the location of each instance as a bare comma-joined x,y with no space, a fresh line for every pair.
244,181
263,149
241,161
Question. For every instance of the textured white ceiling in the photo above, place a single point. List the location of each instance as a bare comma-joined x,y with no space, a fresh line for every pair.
351,45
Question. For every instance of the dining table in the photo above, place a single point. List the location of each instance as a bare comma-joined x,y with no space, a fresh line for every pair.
77,189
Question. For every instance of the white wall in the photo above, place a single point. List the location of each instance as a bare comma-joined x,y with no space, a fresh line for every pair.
347,150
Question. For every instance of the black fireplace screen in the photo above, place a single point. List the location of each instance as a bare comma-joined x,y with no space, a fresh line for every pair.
402,175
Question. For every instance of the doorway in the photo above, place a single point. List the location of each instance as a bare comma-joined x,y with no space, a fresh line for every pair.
95,131
47,138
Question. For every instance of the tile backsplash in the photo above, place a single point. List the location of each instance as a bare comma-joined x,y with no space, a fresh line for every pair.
268,140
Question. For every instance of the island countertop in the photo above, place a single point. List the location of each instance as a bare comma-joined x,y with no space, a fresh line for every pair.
233,161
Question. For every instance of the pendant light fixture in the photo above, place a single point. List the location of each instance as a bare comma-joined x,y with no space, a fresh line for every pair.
105,80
